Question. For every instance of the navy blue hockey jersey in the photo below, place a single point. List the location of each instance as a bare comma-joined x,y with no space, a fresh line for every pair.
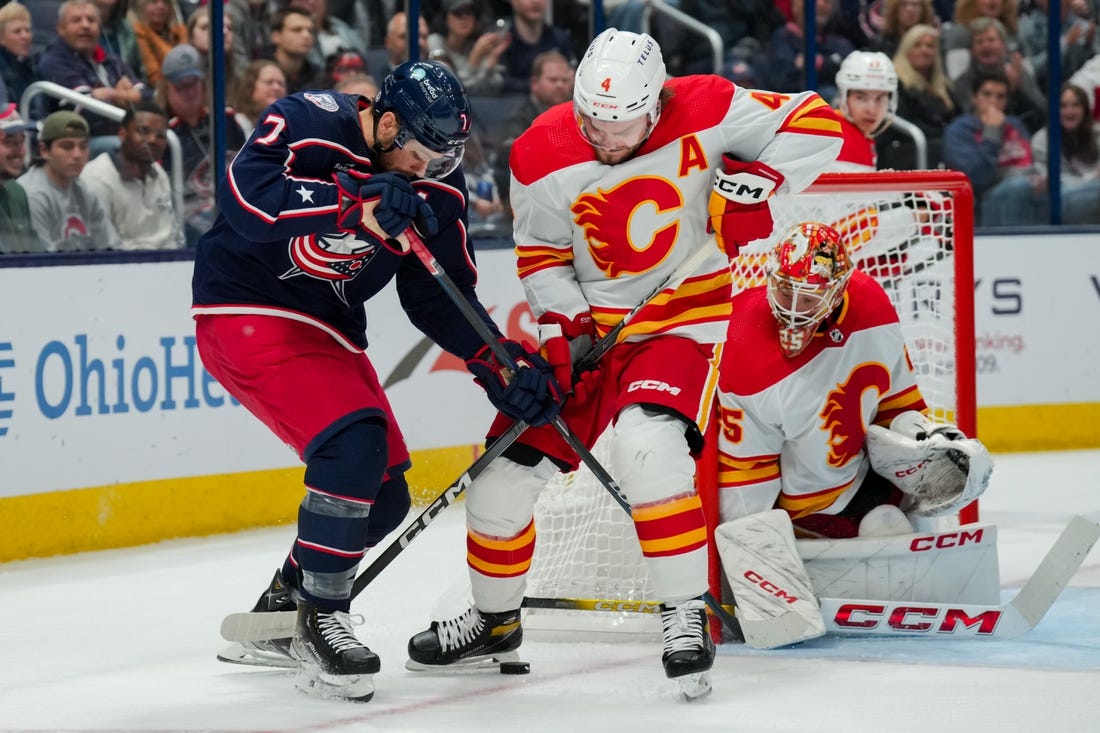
275,247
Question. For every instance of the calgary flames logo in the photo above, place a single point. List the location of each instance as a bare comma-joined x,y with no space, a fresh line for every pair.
842,415
611,220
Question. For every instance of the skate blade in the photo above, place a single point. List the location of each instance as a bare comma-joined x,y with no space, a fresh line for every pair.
470,665
349,688
239,654
694,686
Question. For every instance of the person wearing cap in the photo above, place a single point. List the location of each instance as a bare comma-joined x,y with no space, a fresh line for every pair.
66,214
313,221
76,60
474,51
182,93
132,185
16,229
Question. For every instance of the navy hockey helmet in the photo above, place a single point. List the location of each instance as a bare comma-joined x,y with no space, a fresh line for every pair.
432,109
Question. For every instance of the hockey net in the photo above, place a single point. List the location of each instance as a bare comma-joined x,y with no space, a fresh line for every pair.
913,232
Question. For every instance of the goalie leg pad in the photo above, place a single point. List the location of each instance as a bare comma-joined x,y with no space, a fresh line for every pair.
774,597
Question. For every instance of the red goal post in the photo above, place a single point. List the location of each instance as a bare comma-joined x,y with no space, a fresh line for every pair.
912,231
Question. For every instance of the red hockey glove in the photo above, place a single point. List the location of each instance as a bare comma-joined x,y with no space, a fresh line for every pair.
530,393
397,204
564,342
738,208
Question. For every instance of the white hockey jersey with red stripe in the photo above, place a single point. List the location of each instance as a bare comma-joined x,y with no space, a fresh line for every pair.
794,429
597,237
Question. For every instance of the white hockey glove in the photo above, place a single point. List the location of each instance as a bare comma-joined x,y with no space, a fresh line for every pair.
935,465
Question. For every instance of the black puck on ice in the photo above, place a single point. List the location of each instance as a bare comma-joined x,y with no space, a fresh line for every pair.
515,667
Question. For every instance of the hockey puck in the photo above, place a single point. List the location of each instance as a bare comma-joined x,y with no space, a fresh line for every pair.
515,667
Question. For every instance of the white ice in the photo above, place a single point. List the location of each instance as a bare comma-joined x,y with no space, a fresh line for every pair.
125,640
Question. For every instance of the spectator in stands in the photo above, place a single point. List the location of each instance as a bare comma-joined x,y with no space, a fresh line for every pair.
474,51
116,33
158,26
785,62
925,98
16,229
1080,163
261,84
1079,39
1088,78
341,65
551,83
250,27
76,61
332,35
744,25
956,41
989,51
994,151
358,83
132,185
198,35
898,17
530,36
182,93
17,67
66,215
397,42
292,34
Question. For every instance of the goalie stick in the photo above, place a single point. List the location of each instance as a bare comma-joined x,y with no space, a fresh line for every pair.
260,626
852,617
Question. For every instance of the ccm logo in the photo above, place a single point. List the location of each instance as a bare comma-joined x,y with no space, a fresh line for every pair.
633,606
945,540
915,618
769,587
911,470
653,384
739,190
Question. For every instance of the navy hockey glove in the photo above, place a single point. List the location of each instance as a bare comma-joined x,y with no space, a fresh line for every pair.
530,394
564,342
397,203
738,207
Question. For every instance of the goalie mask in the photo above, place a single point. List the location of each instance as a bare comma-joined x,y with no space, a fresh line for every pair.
807,273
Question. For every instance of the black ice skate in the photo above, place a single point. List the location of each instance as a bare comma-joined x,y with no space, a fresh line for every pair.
473,641
689,650
268,653
334,663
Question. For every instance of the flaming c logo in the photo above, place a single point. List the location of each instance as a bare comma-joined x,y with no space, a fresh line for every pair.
842,414
640,205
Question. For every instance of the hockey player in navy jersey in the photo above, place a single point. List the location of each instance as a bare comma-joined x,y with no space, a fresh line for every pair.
309,227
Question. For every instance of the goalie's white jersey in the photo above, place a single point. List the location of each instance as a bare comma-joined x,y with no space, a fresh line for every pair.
600,237
793,430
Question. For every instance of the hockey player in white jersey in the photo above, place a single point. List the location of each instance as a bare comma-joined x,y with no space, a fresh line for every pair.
610,195
821,415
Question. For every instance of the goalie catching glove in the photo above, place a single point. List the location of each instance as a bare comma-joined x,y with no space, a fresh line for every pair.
935,465
529,393
564,344
396,204
738,207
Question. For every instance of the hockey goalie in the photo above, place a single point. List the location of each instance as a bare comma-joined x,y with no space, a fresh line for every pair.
824,437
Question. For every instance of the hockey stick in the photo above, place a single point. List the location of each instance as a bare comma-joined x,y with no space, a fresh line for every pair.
850,617
558,422
259,626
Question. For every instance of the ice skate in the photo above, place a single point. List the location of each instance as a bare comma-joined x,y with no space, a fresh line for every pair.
689,650
333,662
472,642
272,652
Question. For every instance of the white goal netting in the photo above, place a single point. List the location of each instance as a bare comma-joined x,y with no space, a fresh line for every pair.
913,232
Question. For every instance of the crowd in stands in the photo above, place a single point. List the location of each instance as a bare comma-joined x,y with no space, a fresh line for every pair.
972,77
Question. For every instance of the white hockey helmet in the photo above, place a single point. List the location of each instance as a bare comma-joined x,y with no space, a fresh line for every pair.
807,274
620,78
868,70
